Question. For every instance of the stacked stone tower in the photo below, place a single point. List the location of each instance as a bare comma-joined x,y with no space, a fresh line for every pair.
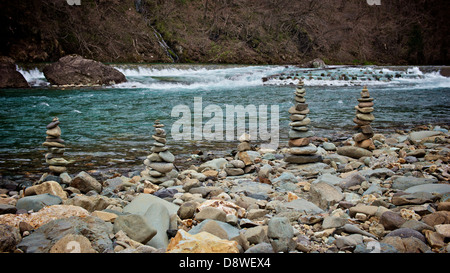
160,162
56,147
363,119
301,150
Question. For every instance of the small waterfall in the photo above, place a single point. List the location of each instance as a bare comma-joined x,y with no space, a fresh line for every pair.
169,52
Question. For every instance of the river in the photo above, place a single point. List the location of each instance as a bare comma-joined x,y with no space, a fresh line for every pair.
111,127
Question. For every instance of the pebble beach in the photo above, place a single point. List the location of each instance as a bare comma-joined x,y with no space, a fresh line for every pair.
329,196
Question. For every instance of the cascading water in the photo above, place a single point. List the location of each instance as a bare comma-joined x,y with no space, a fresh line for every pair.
169,52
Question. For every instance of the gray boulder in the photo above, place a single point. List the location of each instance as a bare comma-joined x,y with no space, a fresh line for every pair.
329,179
325,195
260,248
405,182
353,152
303,206
251,187
157,216
76,70
316,63
37,202
94,229
143,201
229,230
420,135
429,188
84,182
135,226
215,164
280,234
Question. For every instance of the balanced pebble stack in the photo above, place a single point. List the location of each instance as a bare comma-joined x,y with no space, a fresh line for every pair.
54,157
363,118
301,151
160,162
237,166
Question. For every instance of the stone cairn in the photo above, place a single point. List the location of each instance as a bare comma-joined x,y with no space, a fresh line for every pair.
54,157
301,150
160,163
363,118
238,165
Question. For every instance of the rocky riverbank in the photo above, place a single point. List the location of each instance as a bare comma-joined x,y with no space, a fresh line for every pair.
393,199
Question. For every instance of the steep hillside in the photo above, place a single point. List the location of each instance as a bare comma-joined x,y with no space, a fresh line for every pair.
227,31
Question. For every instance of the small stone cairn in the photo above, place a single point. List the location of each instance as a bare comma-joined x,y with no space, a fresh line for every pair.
160,163
363,118
238,165
54,157
301,151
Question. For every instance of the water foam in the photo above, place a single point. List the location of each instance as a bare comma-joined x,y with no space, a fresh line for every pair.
202,78
34,77
412,77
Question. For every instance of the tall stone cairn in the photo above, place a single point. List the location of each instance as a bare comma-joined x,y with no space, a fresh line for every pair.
159,164
363,118
56,147
301,150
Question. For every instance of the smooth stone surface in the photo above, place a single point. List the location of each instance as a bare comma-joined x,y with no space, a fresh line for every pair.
420,135
215,164
158,217
161,166
354,152
135,226
37,202
302,122
260,248
299,142
211,213
54,132
167,156
280,233
391,220
365,117
300,129
325,195
84,182
293,110
142,202
305,150
304,206
303,159
231,231
297,117
234,171
430,188
93,228
293,134
328,146
330,179
251,187
407,232
406,182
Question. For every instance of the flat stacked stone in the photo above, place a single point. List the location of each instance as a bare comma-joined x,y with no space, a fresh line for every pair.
160,163
301,150
56,147
363,118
